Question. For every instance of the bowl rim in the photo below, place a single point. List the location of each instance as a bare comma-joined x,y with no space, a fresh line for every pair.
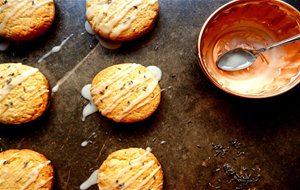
204,69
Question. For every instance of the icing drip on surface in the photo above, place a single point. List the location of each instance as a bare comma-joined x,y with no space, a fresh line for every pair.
92,180
112,45
108,44
55,88
156,71
16,81
55,49
88,140
89,28
90,108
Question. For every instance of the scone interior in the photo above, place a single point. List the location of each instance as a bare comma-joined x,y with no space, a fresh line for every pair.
24,93
22,20
126,92
25,169
132,169
122,20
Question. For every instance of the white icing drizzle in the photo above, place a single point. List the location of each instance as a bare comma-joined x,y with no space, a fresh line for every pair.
148,178
120,28
8,159
156,71
129,180
90,108
157,186
133,163
108,23
92,180
140,105
16,81
134,83
144,168
117,76
33,175
42,183
89,28
12,12
19,7
138,82
55,49
4,44
124,94
136,101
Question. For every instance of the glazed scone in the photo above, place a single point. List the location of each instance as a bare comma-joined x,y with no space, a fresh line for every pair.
22,20
24,93
126,92
131,169
25,170
121,20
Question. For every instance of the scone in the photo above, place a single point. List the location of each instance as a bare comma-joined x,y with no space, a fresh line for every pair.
132,169
121,20
25,170
22,20
24,93
126,92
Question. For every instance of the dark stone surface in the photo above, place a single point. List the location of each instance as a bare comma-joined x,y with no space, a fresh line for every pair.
192,115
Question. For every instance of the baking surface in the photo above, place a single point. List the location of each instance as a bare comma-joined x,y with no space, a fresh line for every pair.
186,132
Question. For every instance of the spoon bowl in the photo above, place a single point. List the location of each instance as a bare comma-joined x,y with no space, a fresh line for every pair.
238,59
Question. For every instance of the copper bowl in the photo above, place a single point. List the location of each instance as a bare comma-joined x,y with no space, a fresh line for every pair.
252,24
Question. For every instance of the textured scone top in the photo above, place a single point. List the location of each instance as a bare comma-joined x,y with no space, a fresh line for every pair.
126,92
25,170
122,20
24,93
132,169
25,19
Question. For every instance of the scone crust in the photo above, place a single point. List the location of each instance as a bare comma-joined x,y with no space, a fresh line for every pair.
26,101
25,20
133,168
17,166
125,90
137,18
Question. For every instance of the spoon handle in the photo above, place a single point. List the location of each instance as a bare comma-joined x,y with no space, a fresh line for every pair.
283,42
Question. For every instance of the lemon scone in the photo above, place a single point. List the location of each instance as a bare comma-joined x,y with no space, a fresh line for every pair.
25,170
24,93
22,20
132,169
126,92
121,20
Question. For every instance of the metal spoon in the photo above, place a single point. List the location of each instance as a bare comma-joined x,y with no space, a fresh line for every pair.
238,59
